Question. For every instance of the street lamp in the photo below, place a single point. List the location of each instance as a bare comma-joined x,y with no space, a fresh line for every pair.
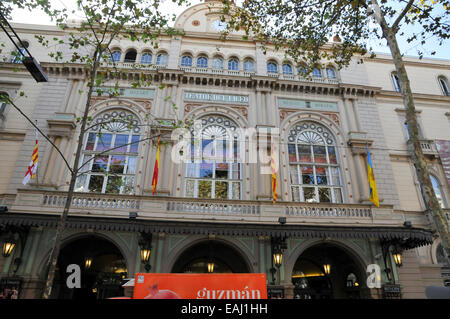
278,258
145,243
210,267
87,262
397,254
327,269
8,247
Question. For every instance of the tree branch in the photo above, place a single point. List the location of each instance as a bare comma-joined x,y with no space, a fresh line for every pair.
402,15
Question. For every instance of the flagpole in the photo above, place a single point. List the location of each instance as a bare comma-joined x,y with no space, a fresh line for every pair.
37,168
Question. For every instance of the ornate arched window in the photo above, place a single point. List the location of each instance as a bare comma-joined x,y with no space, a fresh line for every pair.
130,56
287,68
186,60
146,58
217,63
110,153
331,73
313,164
233,64
317,72
249,65
214,170
161,59
115,56
202,62
272,67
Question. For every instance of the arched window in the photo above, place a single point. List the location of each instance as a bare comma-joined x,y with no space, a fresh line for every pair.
444,85
395,81
161,59
437,190
317,73
272,67
186,60
302,70
287,68
17,55
331,73
233,64
314,169
214,170
202,62
146,58
115,56
249,65
2,109
217,63
110,160
130,56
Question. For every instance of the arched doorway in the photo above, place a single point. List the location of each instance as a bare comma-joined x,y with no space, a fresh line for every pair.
102,266
210,256
327,271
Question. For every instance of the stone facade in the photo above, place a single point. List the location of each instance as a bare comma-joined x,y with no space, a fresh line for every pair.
358,107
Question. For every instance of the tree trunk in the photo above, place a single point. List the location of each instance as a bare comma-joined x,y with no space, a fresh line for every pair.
61,225
428,195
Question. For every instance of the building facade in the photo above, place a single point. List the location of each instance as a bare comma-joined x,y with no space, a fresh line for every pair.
216,211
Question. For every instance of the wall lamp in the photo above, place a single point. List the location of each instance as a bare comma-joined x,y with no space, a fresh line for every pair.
145,243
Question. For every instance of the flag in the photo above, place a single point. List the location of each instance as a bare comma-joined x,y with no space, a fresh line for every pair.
32,167
155,170
372,185
274,173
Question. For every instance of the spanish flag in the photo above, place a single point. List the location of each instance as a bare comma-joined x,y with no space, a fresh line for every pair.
372,185
274,173
155,170
32,167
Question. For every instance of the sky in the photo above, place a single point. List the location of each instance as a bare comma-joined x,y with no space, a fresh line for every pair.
408,49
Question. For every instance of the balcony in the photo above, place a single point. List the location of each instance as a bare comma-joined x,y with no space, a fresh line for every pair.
428,148
191,209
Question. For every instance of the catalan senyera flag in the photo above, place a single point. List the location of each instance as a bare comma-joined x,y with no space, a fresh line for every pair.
32,167
274,173
372,185
156,169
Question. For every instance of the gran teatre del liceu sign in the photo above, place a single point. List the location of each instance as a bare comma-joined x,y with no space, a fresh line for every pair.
216,97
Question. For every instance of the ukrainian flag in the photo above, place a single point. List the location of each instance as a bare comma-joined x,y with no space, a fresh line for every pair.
372,185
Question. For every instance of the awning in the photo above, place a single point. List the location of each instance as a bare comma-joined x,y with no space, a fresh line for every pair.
415,236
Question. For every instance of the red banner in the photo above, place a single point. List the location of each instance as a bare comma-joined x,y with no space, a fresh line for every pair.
200,286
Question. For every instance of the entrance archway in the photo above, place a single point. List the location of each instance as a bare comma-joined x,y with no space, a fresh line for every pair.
326,271
102,266
224,258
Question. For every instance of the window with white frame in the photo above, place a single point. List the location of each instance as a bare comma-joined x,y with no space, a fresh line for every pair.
395,81
215,169
110,154
115,56
161,59
331,73
146,58
186,60
249,65
317,73
313,164
272,67
443,82
287,68
2,109
217,63
202,62
437,190
233,64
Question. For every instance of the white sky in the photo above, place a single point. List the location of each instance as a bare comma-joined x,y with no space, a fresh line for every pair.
409,49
